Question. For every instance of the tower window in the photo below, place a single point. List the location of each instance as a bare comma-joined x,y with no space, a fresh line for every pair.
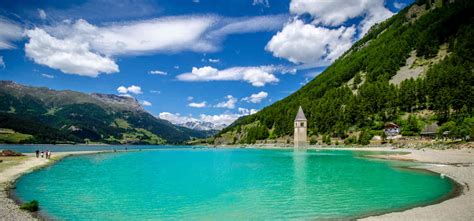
302,124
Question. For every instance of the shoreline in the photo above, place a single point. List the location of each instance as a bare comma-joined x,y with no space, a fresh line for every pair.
10,209
457,165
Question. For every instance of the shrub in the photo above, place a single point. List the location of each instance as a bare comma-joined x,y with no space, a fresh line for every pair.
365,137
31,206
350,140
313,140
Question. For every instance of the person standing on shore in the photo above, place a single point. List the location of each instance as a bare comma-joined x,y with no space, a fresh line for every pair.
49,154
42,154
37,153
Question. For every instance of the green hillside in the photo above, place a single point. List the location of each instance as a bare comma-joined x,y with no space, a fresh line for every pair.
41,115
360,92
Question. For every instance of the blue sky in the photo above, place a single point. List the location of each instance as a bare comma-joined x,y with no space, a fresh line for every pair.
186,59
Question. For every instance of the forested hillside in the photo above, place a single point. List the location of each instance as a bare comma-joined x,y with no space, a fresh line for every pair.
41,115
358,93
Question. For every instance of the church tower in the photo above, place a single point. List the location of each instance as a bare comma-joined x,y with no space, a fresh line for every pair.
301,125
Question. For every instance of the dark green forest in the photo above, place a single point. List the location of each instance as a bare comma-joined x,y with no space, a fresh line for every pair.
332,109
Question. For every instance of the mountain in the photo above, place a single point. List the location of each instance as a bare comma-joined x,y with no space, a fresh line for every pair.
414,69
203,126
41,115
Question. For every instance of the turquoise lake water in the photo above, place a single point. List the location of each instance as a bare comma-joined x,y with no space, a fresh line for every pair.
227,184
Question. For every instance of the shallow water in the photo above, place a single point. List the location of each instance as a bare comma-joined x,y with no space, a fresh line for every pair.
226,184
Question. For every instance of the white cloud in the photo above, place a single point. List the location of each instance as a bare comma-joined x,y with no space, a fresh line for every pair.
263,3
79,47
247,25
146,103
42,14
335,12
214,60
2,63
131,89
257,76
190,98
230,103
374,16
155,92
176,67
140,37
245,111
9,32
47,76
69,56
305,43
326,38
197,105
399,5
157,72
175,118
256,98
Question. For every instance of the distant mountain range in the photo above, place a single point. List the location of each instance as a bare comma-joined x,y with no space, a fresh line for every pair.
203,126
42,115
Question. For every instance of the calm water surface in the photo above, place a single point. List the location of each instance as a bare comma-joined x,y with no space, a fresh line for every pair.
226,184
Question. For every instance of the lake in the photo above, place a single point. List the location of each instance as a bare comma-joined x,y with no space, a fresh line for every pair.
227,184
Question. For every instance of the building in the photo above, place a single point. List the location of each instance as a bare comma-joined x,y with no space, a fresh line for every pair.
430,131
301,124
392,131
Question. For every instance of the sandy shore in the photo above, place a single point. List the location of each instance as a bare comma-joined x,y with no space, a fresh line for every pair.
456,164
9,210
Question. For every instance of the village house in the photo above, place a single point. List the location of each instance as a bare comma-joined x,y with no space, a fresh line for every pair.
392,131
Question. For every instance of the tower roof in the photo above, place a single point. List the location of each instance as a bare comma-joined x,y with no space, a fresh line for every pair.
300,115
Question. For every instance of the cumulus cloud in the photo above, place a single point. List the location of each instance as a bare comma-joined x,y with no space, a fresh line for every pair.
157,72
256,98
190,98
2,63
257,76
230,103
9,32
131,89
146,103
374,16
335,12
69,56
197,105
304,43
327,37
214,60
